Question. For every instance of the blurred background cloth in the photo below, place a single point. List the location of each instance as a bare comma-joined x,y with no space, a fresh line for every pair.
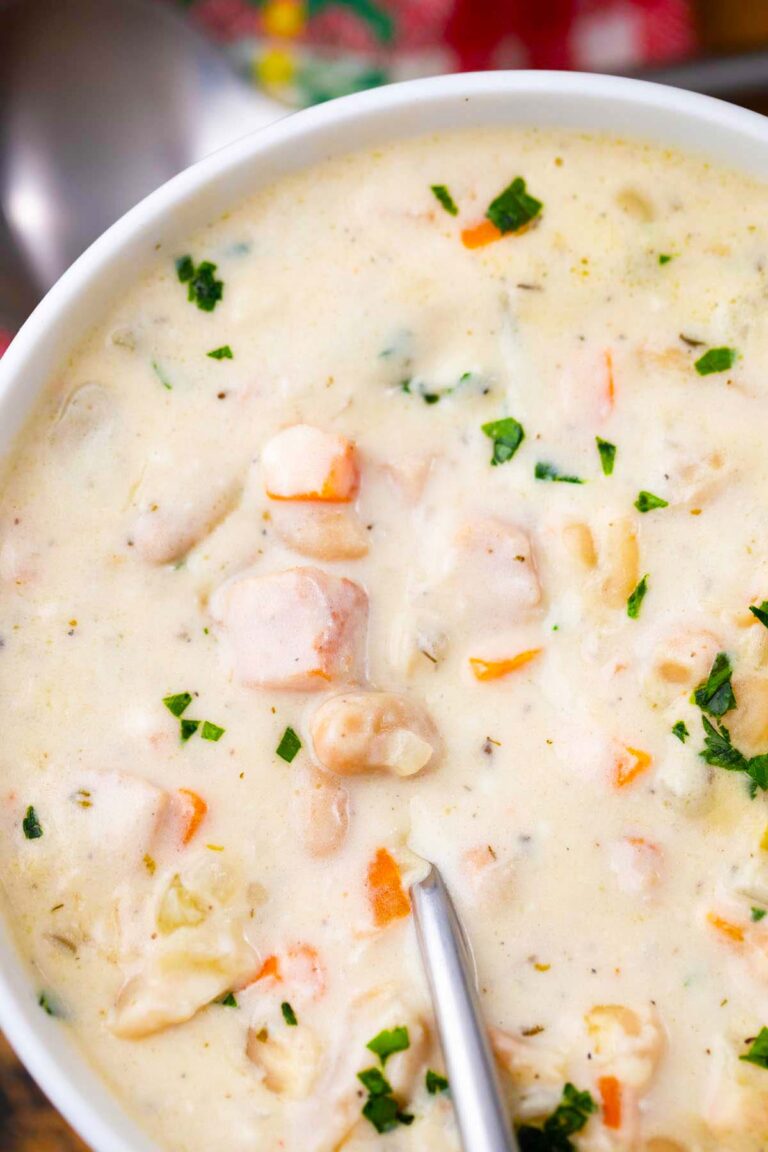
307,51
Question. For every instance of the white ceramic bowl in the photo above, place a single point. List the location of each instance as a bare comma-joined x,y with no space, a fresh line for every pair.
730,136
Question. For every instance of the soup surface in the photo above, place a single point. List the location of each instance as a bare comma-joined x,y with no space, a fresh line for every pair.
416,509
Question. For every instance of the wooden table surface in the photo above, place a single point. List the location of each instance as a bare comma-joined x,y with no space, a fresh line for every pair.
28,1123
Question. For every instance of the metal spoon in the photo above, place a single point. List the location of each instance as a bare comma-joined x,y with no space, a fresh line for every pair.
102,101
480,1113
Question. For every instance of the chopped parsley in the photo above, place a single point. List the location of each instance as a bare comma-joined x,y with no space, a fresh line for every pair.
31,825
211,731
288,1014
427,397
757,914
570,1116
665,257
607,455
388,1042
760,613
720,752
679,729
289,746
203,288
635,601
229,1001
381,1108
441,193
513,208
646,501
758,1052
507,435
544,471
436,1083
715,360
179,703
187,729
715,694
223,353
47,1005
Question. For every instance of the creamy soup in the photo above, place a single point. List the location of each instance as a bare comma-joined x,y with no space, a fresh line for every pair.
414,510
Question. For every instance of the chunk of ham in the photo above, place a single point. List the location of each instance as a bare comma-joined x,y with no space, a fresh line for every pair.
306,463
495,572
299,629
373,731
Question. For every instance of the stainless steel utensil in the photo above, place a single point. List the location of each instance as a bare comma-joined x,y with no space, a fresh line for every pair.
102,101
480,1113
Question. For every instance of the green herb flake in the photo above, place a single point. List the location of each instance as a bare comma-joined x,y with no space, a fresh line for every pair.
635,601
187,729
513,208
715,694
31,825
203,289
679,729
47,1005
179,703
441,193
211,731
719,751
665,257
758,1052
544,471
385,1114
162,375
288,1014
289,746
223,353
607,453
375,1082
507,435
427,397
229,1001
760,613
388,1042
646,502
436,1084
715,360
570,1116
757,914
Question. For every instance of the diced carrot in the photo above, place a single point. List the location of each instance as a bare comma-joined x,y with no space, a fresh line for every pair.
385,890
481,234
610,386
628,767
610,1094
196,809
733,931
494,669
270,969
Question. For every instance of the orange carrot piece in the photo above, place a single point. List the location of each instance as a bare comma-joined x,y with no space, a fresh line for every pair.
196,809
610,1094
611,386
385,890
481,234
732,931
494,669
625,772
269,969
339,485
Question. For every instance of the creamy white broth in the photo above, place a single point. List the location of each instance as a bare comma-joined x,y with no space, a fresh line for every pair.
598,862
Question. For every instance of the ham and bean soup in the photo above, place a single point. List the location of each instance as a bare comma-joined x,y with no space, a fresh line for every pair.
414,510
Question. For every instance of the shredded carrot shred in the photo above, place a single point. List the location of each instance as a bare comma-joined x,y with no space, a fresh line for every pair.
732,931
481,234
385,890
629,767
610,1094
494,669
611,385
196,810
270,968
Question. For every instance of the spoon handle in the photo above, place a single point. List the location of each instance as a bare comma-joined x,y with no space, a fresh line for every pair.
475,1091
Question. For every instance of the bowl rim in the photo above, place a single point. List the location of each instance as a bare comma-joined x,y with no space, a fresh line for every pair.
668,114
